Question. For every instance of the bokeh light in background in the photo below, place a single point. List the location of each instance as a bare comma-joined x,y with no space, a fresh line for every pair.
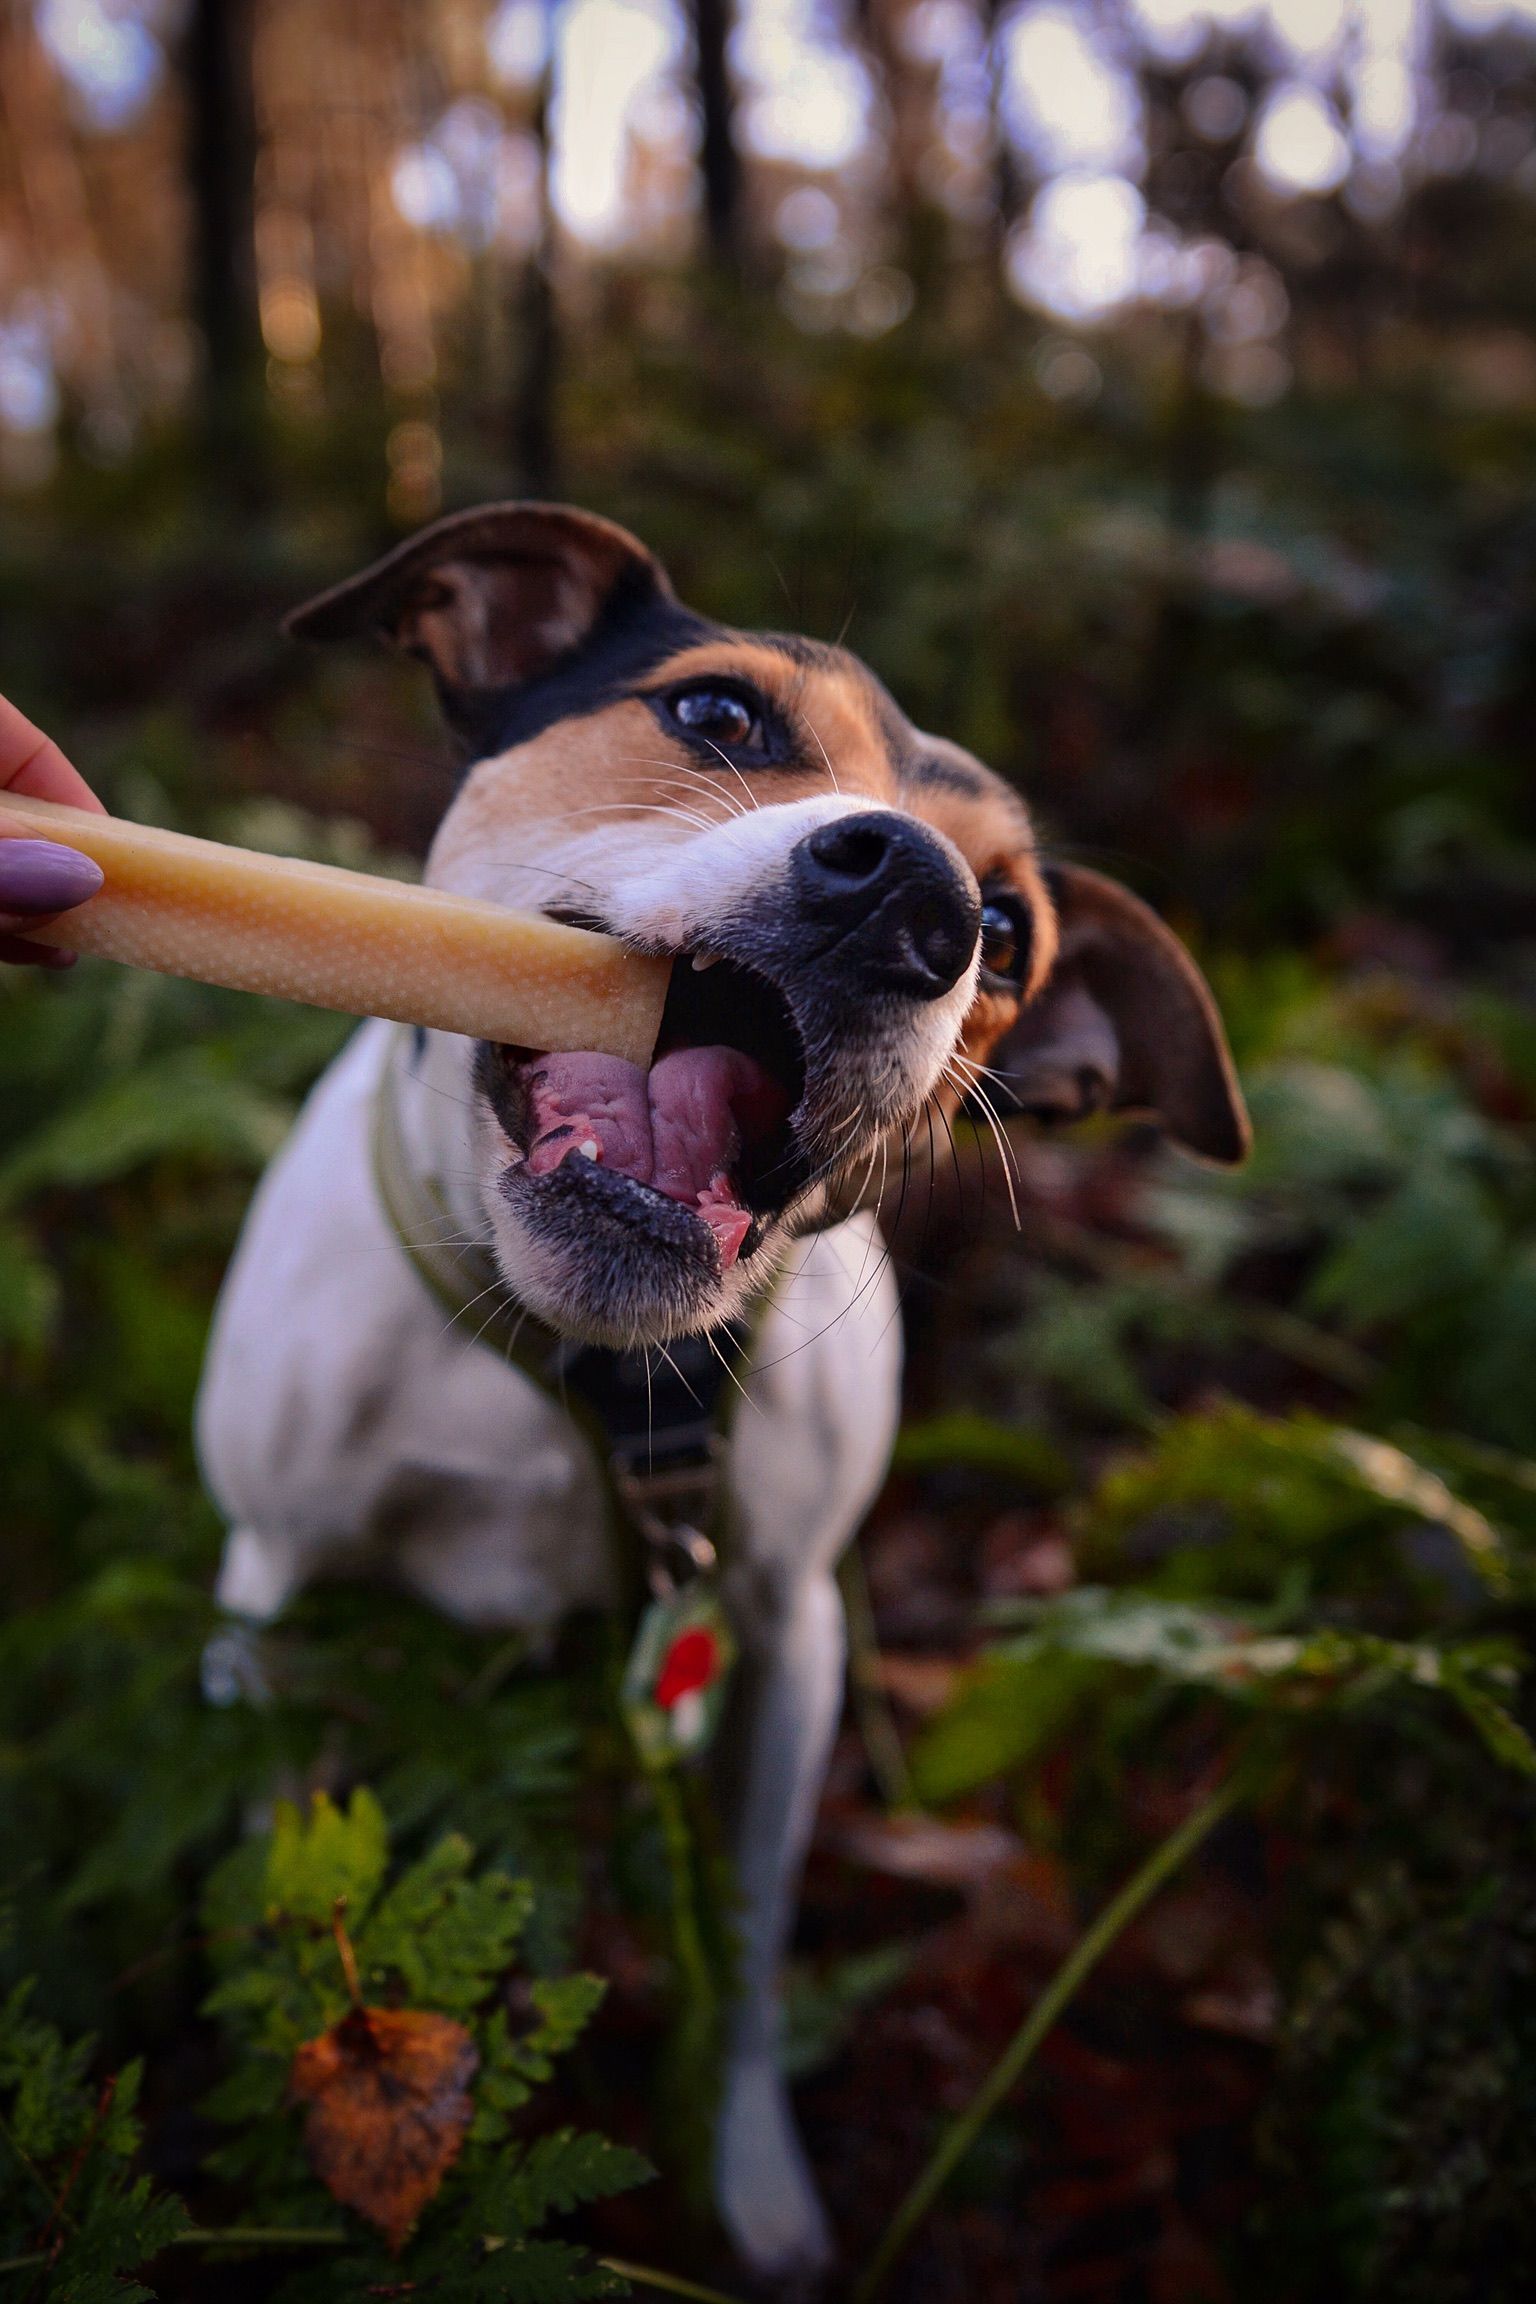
110,55
457,175
615,61
808,98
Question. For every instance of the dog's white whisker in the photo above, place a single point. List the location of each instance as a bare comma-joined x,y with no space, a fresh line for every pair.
884,1149
719,827
702,776
644,808
821,748
695,779
728,1369
498,1288
554,872
1005,1152
836,1320
869,1170
980,1071
698,787
752,798
677,1372
970,1085
954,1157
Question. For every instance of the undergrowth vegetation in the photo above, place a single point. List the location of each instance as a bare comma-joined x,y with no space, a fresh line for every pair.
1200,1472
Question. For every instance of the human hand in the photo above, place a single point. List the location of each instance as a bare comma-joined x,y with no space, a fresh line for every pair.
38,878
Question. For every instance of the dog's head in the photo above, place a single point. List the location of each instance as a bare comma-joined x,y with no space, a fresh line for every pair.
857,914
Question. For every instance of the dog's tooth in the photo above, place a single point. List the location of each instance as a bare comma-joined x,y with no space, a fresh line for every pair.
703,960
588,1150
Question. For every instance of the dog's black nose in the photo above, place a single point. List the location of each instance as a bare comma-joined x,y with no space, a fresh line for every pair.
905,914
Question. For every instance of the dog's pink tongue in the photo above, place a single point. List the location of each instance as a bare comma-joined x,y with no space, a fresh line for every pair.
581,1101
704,1101
678,1127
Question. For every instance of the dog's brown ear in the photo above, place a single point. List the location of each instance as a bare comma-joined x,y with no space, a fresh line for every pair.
492,598
1126,1023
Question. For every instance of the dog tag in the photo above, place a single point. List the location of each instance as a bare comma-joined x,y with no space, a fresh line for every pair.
674,1683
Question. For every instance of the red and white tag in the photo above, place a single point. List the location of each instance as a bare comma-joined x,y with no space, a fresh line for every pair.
675,1680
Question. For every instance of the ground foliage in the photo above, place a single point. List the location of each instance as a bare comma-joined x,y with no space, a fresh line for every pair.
1190,1460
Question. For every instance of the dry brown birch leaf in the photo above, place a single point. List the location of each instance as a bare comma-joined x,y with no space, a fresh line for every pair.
388,2097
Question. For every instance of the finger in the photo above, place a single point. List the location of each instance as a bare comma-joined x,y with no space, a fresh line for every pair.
32,762
40,876
20,954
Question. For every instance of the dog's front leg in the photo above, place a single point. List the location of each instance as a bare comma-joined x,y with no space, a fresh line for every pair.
809,1450
785,1711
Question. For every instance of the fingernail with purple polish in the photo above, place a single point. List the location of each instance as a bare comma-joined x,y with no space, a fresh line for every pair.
40,876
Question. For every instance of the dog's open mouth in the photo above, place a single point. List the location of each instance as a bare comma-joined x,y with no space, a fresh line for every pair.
706,1127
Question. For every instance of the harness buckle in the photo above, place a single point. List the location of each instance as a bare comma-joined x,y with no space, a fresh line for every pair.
671,1505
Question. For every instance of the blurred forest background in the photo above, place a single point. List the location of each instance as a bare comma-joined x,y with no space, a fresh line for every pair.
1148,390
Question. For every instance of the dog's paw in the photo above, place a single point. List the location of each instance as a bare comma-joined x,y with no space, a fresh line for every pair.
764,2190
259,1573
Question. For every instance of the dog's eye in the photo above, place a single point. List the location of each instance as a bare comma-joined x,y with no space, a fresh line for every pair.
1005,939
719,715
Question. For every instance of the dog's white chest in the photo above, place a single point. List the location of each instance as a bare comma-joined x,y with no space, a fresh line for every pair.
347,1426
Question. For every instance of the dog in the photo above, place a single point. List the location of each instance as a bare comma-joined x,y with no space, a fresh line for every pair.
860,923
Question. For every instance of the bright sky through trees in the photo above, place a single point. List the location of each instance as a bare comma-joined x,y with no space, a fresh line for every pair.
1349,101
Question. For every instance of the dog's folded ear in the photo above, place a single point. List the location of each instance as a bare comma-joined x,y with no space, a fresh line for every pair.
1124,1023
493,598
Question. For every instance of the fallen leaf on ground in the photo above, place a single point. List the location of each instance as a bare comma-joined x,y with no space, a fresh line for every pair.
923,1684
388,2097
924,1848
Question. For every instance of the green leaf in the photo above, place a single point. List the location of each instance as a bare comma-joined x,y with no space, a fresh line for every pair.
1508,1742
1006,1710
1318,1125
119,2231
181,1104
1265,1492
1021,1696
821,2004
446,1937
566,2005
985,1445
29,1292
1436,1237
1392,1474
513,2064
439,1938
1490,1385
66,2145
560,2172
327,1858
1080,1340
537,2272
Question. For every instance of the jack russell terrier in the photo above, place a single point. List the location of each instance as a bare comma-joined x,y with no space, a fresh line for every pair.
861,922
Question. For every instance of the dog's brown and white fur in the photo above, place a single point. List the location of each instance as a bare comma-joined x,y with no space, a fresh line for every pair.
874,922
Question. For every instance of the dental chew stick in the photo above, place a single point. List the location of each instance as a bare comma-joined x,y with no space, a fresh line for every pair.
347,940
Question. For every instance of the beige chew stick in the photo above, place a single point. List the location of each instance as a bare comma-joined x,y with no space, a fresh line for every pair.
347,940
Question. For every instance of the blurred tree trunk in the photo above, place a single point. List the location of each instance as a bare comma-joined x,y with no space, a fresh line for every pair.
910,85
221,179
537,315
1193,467
1008,186
719,160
